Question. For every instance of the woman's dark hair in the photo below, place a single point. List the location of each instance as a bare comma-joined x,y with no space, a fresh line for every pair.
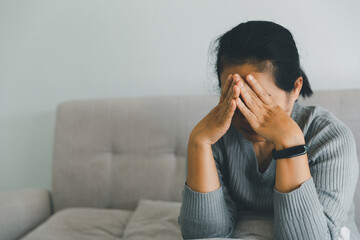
257,43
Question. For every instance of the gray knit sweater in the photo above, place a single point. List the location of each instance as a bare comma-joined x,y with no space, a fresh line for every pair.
318,209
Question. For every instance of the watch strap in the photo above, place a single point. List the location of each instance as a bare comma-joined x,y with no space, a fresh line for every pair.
290,152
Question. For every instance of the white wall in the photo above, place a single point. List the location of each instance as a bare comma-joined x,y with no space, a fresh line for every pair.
52,51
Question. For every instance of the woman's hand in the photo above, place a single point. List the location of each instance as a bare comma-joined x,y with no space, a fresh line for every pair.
265,117
216,123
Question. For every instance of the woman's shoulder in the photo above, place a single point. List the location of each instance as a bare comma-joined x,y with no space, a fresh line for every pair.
317,119
323,130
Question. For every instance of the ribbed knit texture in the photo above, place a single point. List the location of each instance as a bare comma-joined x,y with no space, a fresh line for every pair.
316,210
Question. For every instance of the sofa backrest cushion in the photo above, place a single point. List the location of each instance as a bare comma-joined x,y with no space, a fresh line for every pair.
109,153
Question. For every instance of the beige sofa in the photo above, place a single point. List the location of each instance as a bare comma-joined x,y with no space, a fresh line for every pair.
119,168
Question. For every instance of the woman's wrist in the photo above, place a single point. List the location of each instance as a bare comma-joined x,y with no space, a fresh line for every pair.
197,140
289,141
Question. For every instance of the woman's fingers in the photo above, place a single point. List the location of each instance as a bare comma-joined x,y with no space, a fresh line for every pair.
230,92
251,100
231,109
259,90
251,117
236,86
225,88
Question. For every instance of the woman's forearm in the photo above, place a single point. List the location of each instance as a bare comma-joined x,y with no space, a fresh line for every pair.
291,172
202,173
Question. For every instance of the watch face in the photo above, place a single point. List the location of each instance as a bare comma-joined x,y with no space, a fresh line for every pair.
296,149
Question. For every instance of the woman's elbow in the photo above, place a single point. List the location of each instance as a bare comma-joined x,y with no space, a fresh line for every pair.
205,229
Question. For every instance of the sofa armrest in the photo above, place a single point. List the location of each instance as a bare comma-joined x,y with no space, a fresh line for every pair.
23,210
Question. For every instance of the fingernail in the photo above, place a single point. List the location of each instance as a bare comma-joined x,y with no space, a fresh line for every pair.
238,100
251,77
241,84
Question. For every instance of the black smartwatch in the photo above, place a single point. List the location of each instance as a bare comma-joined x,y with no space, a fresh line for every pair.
290,152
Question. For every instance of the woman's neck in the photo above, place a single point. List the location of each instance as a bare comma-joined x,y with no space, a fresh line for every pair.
263,150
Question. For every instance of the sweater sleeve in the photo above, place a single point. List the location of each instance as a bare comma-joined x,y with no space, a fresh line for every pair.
318,208
208,215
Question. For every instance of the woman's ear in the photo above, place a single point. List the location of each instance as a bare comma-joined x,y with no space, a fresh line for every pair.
297,88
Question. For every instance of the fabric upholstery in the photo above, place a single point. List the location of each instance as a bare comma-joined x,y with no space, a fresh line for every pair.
254,225
83,224
22,210
154,220
109,153
151,219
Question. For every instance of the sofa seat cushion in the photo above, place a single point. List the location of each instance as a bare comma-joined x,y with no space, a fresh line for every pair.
81,224
254,225
154,219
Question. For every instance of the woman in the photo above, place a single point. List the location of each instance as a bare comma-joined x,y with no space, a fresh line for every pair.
234,159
